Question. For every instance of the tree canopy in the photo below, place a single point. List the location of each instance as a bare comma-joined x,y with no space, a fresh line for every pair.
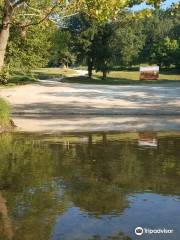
98,33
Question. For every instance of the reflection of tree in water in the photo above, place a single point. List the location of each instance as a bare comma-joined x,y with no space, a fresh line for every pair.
91,182
44,178
99,176
34,199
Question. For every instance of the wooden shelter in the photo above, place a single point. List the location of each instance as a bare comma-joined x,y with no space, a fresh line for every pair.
149,73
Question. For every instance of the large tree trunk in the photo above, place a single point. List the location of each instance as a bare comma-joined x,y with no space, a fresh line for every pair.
104,74
90,71
4,32
4,36
90,67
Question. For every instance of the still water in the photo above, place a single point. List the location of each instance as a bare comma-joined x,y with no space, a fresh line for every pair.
98,186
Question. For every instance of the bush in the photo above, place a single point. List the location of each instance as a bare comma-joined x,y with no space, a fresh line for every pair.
4,114
4,75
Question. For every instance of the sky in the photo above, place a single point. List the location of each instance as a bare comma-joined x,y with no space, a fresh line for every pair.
168,3
164,5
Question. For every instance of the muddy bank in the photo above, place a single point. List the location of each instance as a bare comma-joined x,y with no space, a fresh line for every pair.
51,106
10,127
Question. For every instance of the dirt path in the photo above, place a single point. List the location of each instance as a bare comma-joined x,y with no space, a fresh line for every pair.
54,100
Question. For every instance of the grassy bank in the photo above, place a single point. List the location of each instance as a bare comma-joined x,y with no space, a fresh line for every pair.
20,78
50,73
4,115
116,77
124,77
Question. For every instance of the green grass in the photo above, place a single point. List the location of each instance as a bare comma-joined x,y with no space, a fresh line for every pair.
4,114
114,78
49,73
20,78
123,77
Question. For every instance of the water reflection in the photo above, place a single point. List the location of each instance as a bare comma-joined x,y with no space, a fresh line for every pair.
148,140
88,186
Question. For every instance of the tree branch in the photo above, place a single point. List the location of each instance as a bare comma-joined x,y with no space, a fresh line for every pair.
70,15
28,14
34,9
9,3
42,20
19,2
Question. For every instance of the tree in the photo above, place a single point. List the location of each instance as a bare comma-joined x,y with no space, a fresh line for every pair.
129,40
23,14
26,13
104,48
83,30
61,52
31,51
92,43
29,13
101,45
161,25
166,52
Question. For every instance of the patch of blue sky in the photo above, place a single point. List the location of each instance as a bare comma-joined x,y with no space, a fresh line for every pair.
164,5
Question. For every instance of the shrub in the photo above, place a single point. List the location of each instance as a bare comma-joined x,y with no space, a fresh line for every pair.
4,114
4,75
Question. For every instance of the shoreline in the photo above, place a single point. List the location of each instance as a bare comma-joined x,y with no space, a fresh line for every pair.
89,123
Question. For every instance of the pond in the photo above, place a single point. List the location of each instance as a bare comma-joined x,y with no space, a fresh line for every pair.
89,186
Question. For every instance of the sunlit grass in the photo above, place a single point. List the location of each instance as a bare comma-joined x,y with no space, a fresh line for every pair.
134,75
22,78
48,73
113,78
124,77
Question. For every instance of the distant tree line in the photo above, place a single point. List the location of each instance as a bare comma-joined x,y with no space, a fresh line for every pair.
101,46
124,42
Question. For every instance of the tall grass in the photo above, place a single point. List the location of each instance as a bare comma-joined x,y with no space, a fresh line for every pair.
4,114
